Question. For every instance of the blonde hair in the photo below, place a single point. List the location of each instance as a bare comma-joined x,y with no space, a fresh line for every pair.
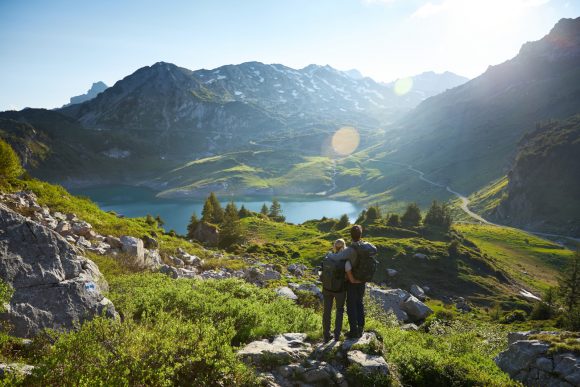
338,245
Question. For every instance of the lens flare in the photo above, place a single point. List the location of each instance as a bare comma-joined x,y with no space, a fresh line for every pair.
403,86
345,140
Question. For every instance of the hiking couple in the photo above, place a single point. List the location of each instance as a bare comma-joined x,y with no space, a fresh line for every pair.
345,271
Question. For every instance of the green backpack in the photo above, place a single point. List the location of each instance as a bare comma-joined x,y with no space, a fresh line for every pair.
333,275
366,264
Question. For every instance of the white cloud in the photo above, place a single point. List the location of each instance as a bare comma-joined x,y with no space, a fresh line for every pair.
378,1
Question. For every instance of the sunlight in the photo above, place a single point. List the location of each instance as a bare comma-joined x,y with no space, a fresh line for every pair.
403,86
345,140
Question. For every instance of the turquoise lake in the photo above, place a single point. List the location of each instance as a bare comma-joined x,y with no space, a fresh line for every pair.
137,201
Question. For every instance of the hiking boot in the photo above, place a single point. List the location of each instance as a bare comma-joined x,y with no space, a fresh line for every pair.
352,335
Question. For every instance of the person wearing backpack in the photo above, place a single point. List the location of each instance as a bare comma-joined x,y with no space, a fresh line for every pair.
333,288
360,268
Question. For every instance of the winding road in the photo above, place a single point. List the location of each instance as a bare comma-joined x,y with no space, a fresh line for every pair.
465,202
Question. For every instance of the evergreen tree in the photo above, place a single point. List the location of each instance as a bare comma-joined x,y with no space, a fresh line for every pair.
342,222
569,284
207,212
373,214
275,209
362,216
160,222
149,220
244,212
218,212
412,216
264,210
231,229
394,221
9,162
193,222
438,216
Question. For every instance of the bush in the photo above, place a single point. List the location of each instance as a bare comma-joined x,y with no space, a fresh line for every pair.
167,350
517,315
10,167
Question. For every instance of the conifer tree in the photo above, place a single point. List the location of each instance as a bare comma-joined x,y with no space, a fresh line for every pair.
264,210
207,212
275,209
244,212
218,212
231,229
193,222
372,214
342,222
394,220
569,284
412,215
438,216
160,222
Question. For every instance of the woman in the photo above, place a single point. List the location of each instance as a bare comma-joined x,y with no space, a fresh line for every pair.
333,281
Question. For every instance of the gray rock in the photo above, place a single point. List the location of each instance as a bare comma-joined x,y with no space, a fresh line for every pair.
390,301
520,355
271,275
297,269
152,258
367,339
83,229
418,292
311,288
150,243
420,256
285,348
370,364
53,286
83,243
63,228
15,368
415,309
392,272
114,242
133,247
409,327
318,374
286,292
169,271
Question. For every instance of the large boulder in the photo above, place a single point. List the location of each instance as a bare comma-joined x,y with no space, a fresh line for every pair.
400,303
369,364
532,362
53,286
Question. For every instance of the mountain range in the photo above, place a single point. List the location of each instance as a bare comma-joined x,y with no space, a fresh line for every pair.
259,128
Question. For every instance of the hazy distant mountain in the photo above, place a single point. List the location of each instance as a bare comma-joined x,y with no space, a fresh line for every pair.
354,74
468,135
429,83
96,88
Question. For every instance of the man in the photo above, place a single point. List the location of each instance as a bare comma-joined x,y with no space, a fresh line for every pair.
355,272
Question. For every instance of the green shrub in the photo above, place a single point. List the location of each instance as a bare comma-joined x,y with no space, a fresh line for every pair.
517,315
10,167
167,350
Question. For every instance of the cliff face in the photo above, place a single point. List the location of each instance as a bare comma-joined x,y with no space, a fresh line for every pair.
544,188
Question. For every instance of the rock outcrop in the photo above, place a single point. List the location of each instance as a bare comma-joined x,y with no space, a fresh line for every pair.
289,360
531,362
54,286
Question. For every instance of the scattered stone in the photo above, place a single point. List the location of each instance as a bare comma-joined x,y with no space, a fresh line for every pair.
392,272
286,292
271,275
401,303
297,269
83,243
409,327
462,305
415,309
367,339
169,271
15,368
114,242
83,229
150,243
152,258
420,256
418,292
311,288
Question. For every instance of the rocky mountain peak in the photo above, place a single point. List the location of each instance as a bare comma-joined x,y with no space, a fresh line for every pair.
561,43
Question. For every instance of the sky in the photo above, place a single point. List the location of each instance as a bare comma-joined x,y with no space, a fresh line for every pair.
52,50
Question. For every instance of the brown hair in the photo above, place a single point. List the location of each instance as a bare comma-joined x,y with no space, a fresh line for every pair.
356,232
